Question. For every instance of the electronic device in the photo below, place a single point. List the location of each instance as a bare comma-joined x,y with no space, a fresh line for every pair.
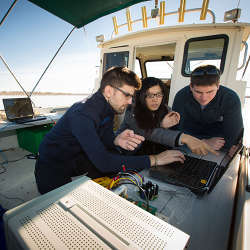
84,215
20,110
199,175
149,190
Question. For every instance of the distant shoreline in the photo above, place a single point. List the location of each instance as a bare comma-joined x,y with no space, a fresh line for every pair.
20,93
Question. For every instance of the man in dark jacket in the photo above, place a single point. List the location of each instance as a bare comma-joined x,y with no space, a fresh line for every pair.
83,141
208,110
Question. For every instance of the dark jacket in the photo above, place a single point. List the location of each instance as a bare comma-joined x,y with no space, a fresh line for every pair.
87,128
162,136
220,118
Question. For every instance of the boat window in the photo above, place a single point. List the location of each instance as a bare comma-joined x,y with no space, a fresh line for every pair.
160,69
157,60
204,50
115,59
138,68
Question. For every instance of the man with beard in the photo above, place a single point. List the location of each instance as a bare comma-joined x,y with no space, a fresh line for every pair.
83,141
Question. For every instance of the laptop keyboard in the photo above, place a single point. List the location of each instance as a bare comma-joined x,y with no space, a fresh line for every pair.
30,119
193,172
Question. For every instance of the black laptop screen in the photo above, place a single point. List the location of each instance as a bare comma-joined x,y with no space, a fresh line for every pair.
16,108
232,151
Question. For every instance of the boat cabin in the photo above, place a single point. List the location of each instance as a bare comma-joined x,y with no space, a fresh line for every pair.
171,53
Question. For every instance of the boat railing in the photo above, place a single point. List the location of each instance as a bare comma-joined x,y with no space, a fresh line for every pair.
245,55
160,15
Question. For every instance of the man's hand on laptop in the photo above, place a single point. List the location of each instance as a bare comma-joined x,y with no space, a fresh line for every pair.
197,146
166,157
128,140
215,143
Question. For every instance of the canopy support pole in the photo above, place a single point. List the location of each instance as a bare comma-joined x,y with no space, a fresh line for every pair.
6,65
8,11
51,61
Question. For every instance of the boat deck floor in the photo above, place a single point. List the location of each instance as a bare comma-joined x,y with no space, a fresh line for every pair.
17,180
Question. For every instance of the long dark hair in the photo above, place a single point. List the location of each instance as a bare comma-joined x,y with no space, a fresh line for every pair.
145,118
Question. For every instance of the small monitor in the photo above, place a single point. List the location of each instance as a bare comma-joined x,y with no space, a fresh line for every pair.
16,108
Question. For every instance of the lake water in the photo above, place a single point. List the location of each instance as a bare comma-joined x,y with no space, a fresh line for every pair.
46,101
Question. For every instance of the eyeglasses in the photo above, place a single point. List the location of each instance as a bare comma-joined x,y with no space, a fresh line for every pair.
206,71
128,95
157,95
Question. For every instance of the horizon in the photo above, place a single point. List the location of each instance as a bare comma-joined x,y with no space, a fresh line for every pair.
76,67
40,92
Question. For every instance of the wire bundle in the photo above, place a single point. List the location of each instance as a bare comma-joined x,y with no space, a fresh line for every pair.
130,177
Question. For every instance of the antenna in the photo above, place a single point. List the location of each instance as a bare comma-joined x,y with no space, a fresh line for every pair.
154,12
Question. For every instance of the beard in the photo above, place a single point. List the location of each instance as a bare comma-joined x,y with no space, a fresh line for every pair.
117,109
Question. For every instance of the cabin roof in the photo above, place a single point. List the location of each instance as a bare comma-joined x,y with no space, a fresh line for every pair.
177,28
81,12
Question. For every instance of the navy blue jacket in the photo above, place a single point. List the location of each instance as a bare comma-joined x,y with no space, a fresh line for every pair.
87,127
220,118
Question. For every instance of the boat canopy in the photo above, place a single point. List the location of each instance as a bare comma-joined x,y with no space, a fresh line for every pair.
81,12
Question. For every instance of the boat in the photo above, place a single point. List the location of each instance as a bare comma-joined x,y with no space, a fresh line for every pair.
220,220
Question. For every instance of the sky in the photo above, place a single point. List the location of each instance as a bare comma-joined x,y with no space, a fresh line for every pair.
30,36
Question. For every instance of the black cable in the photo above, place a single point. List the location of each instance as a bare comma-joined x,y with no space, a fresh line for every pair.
4,170
7,161
11,198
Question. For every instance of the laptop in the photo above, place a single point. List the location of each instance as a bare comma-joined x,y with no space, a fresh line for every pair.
19,110
198,174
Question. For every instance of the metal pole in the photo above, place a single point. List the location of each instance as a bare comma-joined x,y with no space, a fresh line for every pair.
245,68
13,76
51,61
8,11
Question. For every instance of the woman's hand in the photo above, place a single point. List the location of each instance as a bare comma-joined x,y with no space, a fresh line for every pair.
128,140
170,119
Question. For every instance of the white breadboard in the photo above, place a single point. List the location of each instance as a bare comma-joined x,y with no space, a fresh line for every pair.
84,215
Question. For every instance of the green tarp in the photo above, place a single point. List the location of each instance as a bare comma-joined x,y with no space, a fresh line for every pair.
81,12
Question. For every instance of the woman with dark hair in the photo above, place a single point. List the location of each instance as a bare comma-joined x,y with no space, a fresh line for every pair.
150,105
150,117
